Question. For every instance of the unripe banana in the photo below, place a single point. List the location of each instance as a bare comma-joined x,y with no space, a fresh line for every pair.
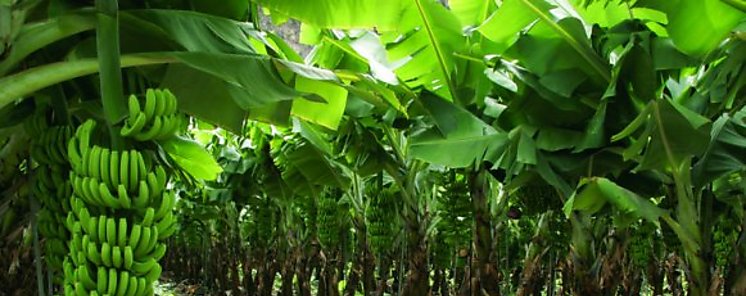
112,287
151,133
132,286
124,280
93,254
142,286
134,126
148,217
150,99
94,163
102,280
134,176
102,228
113,174
104,167
144,243
154,273
124,198
111,231
129,257
116,257
133,106
106,254
135,236
160,104
122,232
124,169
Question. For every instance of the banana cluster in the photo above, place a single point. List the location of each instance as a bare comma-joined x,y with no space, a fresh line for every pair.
120,213
537,199
51,186
380,214
724,239
455,210
640,248
328,219
157,119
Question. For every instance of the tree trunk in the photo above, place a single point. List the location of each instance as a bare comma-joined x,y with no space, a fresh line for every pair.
249,285
287,276
383,275
486,269
417,280
302,272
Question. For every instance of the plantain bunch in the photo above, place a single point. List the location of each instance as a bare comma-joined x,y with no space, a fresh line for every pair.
156,119
328,216
263,221
455,212
724,237
121,209
640,247
381,215
51,186
538,198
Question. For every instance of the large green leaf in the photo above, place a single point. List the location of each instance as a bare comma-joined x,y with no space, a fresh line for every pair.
432,37
191,87
192,158
303,159
698,26
503,26
191,31
327,114
460,139
515,15
342,14
471,12
671,135
726,152
35,36
594,193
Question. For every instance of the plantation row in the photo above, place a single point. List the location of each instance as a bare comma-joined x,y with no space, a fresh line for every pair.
515,147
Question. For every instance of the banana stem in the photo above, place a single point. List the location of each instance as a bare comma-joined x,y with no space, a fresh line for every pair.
107,46
37,248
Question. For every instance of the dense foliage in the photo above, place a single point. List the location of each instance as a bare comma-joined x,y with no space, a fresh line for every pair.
514,147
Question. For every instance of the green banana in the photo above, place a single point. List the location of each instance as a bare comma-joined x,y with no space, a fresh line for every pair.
116,257
106,254
122,232
112,287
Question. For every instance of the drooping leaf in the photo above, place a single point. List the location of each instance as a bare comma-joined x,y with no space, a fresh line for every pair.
698,26
342,14
191,157
459,140
671,134
471,12
432,37
594,193
327,114
726,152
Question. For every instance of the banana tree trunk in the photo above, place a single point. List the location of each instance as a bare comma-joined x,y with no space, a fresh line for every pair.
486,268
417,280
384,269
302,272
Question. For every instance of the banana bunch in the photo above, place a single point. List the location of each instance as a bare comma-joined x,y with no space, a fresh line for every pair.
328,219
455,211
50,185
121,209
640,248
263,222
537,199
724,238
157,119
380,213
